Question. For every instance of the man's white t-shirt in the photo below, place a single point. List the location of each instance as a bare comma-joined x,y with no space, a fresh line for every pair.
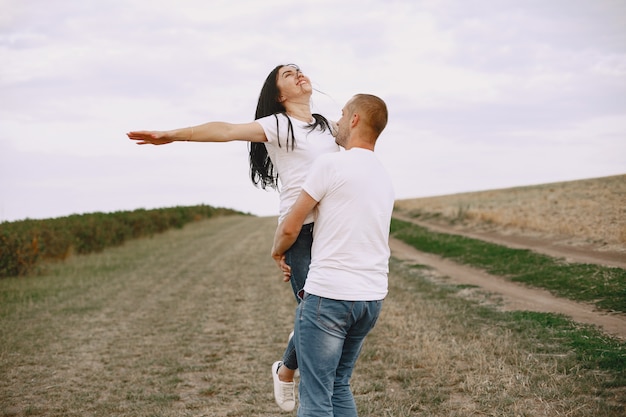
292,165
350,253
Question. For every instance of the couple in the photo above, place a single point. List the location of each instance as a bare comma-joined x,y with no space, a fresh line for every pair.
347,251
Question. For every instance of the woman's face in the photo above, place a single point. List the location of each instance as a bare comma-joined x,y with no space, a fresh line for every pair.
292,83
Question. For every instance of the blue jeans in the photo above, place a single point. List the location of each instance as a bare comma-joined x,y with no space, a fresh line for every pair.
329,335
298,257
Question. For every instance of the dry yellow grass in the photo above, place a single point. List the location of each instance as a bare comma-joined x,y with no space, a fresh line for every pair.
188,323
589,212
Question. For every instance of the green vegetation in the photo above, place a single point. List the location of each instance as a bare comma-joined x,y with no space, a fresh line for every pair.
591,348
23,244
603,286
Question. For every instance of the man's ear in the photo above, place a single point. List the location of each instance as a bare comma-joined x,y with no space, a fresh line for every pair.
355,120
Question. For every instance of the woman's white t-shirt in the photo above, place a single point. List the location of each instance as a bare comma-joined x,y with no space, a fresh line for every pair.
292,165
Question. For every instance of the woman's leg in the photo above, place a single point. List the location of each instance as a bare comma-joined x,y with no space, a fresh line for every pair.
298,257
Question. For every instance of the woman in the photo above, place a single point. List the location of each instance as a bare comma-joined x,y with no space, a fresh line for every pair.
285,139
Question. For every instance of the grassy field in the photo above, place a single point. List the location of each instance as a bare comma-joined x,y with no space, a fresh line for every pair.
188,323
584,212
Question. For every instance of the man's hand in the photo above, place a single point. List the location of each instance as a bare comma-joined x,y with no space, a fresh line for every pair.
282,265
288,230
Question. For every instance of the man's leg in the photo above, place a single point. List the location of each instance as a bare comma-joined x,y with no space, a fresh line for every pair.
320,329
364,317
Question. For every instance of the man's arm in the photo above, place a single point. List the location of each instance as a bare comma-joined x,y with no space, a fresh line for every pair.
289,229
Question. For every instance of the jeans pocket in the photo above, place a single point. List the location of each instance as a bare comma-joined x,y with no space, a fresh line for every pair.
334,315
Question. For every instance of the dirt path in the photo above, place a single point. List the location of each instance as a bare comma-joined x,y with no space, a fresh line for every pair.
551,247
516,296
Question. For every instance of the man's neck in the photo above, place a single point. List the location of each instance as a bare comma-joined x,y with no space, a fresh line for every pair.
358,141
360,144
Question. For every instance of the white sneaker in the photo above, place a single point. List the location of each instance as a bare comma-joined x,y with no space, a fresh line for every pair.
297,372
283,391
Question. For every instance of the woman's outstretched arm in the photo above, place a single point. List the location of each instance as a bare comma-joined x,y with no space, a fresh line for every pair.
207,132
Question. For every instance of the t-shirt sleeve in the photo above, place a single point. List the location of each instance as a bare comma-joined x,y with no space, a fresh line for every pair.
270,127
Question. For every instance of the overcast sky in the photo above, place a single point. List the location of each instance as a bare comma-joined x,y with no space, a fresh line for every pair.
482,94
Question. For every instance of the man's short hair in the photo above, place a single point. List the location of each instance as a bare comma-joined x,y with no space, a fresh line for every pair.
373,109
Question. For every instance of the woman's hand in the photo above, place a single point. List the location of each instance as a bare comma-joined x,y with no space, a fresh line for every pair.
145,137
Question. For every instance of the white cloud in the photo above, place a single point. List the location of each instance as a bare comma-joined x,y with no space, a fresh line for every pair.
482,93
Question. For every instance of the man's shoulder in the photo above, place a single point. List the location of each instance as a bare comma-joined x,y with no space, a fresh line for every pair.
329,157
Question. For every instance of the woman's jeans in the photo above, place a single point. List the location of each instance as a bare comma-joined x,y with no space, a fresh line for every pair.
329,335
298,257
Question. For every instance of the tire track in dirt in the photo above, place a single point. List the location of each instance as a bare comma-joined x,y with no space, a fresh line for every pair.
514,296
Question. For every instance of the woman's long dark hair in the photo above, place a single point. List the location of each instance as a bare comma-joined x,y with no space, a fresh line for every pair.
262,171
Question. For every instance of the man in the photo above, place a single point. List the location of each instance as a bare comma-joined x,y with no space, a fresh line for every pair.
347,281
